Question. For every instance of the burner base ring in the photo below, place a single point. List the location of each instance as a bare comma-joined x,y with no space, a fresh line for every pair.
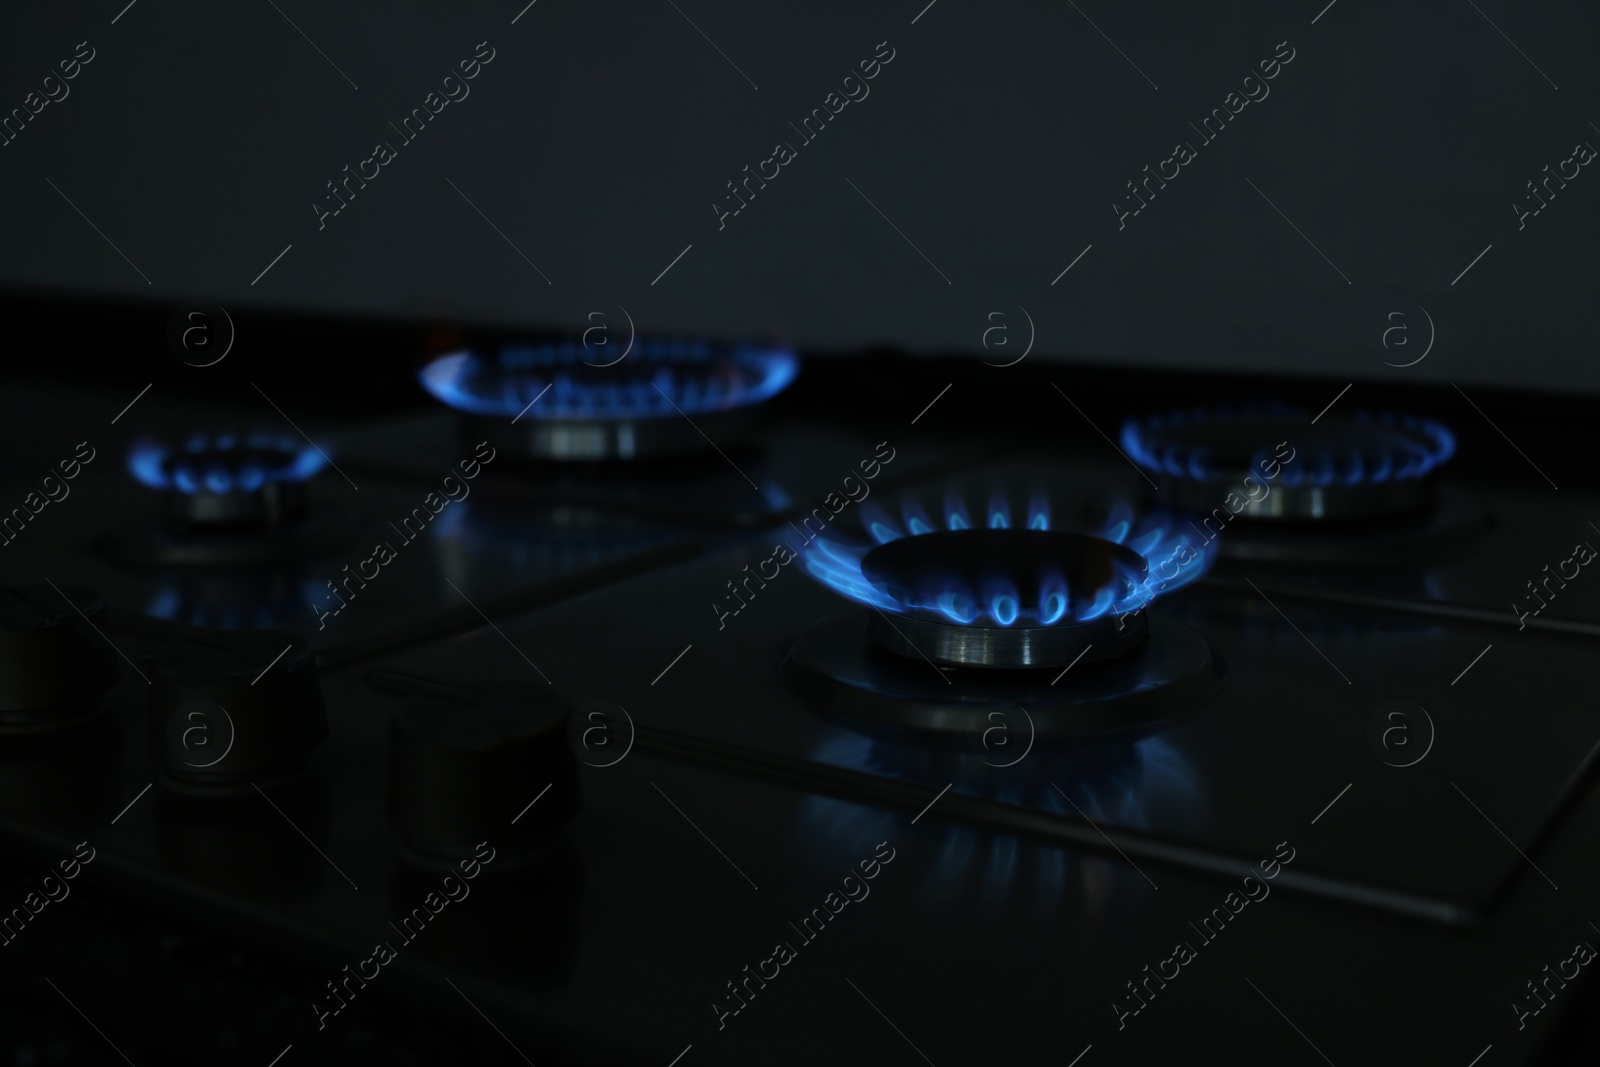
589,440
838,668
1451,525
1300,503
274,505
1007,648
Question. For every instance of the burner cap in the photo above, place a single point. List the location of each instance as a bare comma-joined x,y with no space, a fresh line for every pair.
547,401
1361,466
1004,597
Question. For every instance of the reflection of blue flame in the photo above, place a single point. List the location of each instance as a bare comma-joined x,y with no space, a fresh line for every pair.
515,543
1114,782
664,377
1421,447
234,602
1147,785
1173,558
224,463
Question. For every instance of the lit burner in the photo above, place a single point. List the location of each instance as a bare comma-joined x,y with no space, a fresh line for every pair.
1272,462
994,594
229,479
227,499
570,408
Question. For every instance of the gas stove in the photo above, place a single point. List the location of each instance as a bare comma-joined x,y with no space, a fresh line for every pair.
712,721
907,614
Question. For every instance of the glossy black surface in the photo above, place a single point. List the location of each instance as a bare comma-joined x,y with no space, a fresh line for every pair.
1032,876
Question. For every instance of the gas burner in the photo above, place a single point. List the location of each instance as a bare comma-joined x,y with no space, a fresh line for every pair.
635,407
967,619
1274,463
1004,596
224,479
227,499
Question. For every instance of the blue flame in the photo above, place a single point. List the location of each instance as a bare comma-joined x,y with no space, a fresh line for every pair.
1426,446
662,377
224,462
1173,558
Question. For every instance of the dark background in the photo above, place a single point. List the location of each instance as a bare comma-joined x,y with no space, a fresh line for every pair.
597,141
997,140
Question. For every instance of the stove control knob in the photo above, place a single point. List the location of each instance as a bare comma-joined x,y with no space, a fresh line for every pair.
487,762
234,707
53,666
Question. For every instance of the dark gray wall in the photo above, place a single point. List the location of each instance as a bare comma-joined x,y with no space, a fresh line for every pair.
997,141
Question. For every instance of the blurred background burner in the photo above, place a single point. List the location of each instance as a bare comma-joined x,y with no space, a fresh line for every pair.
1362,466
1358,489
552,400
228,498
225,479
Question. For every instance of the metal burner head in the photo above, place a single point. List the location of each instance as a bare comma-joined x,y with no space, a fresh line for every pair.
227,480
1359,466
1006,598
547,400
986,590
